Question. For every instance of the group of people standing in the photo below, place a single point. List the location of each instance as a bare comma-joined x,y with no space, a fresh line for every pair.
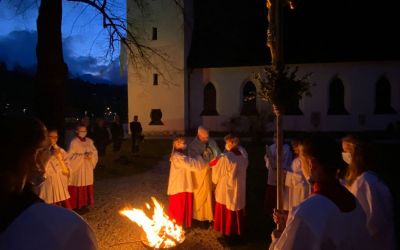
333,198
26,221
208,186
68,176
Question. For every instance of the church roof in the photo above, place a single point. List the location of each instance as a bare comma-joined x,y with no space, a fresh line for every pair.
233,33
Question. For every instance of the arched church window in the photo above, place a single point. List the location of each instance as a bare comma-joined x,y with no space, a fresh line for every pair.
209,100
383,97
336,98
249,100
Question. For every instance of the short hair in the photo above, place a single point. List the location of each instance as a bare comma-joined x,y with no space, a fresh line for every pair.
325,150
232,138
177,140
202,129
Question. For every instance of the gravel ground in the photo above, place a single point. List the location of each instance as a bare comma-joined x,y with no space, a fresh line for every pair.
114,231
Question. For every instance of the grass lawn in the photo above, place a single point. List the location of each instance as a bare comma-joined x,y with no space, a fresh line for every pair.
124,163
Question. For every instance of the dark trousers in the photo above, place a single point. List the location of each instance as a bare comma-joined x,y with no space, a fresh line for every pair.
135,143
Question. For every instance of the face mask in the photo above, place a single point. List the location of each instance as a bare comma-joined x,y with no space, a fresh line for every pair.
82,134
346,157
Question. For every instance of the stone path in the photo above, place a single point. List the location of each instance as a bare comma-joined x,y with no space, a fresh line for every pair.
114,231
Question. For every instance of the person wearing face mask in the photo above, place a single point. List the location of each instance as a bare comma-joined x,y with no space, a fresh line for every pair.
229,175
83,157
206,147
180,183
54,190
331,218
26,222
372,193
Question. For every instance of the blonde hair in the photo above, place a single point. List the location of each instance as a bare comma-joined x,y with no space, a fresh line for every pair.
362,158
176,141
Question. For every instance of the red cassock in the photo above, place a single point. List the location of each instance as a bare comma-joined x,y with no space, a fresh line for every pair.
180,187
180,208
82,155
229,175
81,196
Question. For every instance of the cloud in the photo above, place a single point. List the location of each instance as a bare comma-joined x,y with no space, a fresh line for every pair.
18,48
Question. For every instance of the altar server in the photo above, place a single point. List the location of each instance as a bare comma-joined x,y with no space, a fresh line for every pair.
370,190
229,175
83,158
54,189
180,183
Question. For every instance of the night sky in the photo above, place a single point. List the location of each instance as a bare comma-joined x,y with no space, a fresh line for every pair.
226,33
84,40
232,33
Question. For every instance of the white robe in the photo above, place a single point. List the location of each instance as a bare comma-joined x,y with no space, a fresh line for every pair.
229,174
318,224
376,200
82,168
270,159
202,193
47,227
180,178
55,187
297,187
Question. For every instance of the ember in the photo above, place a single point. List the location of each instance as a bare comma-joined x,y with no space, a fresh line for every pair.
160,231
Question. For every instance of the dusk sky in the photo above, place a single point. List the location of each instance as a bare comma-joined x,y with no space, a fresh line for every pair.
85,41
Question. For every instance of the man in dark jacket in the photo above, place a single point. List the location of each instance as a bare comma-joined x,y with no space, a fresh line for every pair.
136,134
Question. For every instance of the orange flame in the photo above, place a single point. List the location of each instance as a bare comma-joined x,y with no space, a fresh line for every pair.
160,231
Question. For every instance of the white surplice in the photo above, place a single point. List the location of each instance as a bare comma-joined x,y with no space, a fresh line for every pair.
229,175
297,187
318,224
81,167
376,200
180,177
55,187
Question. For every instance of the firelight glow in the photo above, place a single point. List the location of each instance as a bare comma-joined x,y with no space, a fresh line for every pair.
161,232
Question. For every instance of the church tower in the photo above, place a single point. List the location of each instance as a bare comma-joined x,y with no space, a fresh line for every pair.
157,88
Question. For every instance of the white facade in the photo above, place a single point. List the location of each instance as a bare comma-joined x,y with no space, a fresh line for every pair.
180,92
166,20
359,80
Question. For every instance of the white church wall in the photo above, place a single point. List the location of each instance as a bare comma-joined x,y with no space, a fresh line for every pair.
359,80
228,83
169,94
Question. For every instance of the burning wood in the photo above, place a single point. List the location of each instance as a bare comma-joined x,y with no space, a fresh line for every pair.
161,232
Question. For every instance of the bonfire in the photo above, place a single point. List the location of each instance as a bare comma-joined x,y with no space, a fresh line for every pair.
160,231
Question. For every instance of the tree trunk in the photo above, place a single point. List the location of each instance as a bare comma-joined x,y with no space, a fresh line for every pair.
51,68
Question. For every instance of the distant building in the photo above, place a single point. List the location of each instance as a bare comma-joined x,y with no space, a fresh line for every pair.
207,79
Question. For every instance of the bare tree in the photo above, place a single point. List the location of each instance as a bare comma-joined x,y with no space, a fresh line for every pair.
52,70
